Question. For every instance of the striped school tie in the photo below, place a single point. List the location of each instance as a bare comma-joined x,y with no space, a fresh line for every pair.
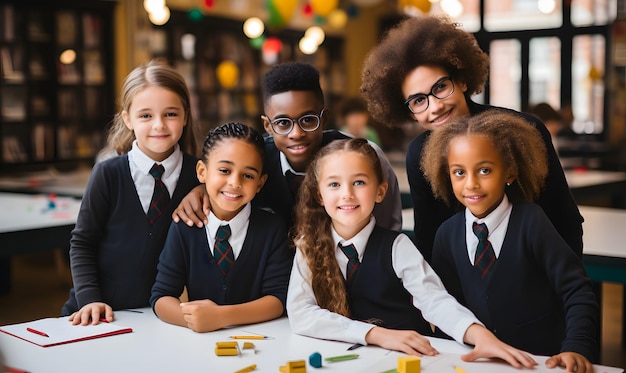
485,256
353,260
160,196
222,251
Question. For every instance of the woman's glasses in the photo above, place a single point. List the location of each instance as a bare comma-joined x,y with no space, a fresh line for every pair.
419,102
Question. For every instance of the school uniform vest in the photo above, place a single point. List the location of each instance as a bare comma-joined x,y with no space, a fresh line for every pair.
375,291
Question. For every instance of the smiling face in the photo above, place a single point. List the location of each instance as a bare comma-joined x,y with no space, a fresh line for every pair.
232,176
349,189
478,173
157,117
298,146
421,80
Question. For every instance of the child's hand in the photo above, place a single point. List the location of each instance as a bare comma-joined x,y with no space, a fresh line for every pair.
202,315
486,345
407,341
194,208
571,361
92,311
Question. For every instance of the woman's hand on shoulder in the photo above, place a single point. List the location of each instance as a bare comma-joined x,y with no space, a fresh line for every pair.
407,341
571,361
193,208
487,345
92,312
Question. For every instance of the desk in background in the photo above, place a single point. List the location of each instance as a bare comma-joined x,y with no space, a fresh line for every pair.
155,346
29,223
61,183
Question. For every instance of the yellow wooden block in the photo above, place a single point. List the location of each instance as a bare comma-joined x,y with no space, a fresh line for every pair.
409,364
226,349
297,366
248,345
226,344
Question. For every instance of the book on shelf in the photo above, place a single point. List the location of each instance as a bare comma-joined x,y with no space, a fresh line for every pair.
12,150
11,63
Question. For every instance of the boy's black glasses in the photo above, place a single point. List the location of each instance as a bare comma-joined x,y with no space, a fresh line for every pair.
418,102
307,123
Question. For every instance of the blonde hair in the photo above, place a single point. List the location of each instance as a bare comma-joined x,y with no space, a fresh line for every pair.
313,235
155,73
519,143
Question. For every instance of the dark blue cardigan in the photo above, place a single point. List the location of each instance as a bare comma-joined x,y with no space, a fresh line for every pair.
262,267
538,299
113,249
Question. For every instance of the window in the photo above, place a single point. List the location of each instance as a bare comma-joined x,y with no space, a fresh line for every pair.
545,51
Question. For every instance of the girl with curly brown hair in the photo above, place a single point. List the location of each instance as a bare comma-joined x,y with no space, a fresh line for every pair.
426,69
519,278
341,249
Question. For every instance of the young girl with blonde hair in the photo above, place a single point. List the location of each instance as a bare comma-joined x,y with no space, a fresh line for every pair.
127,205
340,250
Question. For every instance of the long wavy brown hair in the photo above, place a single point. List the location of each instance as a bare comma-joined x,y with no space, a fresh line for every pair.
519,143
312,231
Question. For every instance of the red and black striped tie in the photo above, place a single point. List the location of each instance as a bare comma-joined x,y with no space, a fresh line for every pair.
160,196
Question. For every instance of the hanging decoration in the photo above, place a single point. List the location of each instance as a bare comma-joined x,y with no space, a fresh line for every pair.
337,18
195,15
323,7
280,11
270,50
408,6
227,74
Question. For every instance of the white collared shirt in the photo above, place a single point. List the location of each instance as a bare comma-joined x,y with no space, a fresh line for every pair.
429,295
140,165
285,166
497,222
238,229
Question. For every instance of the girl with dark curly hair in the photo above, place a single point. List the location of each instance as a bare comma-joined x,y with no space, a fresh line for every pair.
501,257
426,69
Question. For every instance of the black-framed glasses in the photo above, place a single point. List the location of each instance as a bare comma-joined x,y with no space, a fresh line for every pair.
307,123
418,102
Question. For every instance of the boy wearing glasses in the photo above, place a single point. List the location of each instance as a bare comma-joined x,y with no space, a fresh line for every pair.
294,119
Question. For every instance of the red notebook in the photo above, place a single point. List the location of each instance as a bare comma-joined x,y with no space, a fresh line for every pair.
56,331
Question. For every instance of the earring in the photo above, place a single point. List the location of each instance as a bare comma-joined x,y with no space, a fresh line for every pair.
508,184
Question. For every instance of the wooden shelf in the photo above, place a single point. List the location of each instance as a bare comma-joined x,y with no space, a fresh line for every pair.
56,90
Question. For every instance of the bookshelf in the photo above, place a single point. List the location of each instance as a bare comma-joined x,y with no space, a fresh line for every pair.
56,90
220,39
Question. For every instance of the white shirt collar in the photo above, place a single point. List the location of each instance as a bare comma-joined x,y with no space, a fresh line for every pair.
237,223
493,220
359,240
145,163
285,166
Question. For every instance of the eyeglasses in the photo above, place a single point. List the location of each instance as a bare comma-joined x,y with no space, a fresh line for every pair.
418,102
307,123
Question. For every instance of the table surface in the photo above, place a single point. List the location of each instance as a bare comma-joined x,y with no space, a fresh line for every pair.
62,183
155,346
21,212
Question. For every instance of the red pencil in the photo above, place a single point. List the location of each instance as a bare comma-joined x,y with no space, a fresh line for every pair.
37,332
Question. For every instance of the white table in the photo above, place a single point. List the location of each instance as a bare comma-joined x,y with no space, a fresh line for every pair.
155,346
29,223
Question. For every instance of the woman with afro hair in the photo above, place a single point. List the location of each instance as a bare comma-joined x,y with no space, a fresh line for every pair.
426,69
